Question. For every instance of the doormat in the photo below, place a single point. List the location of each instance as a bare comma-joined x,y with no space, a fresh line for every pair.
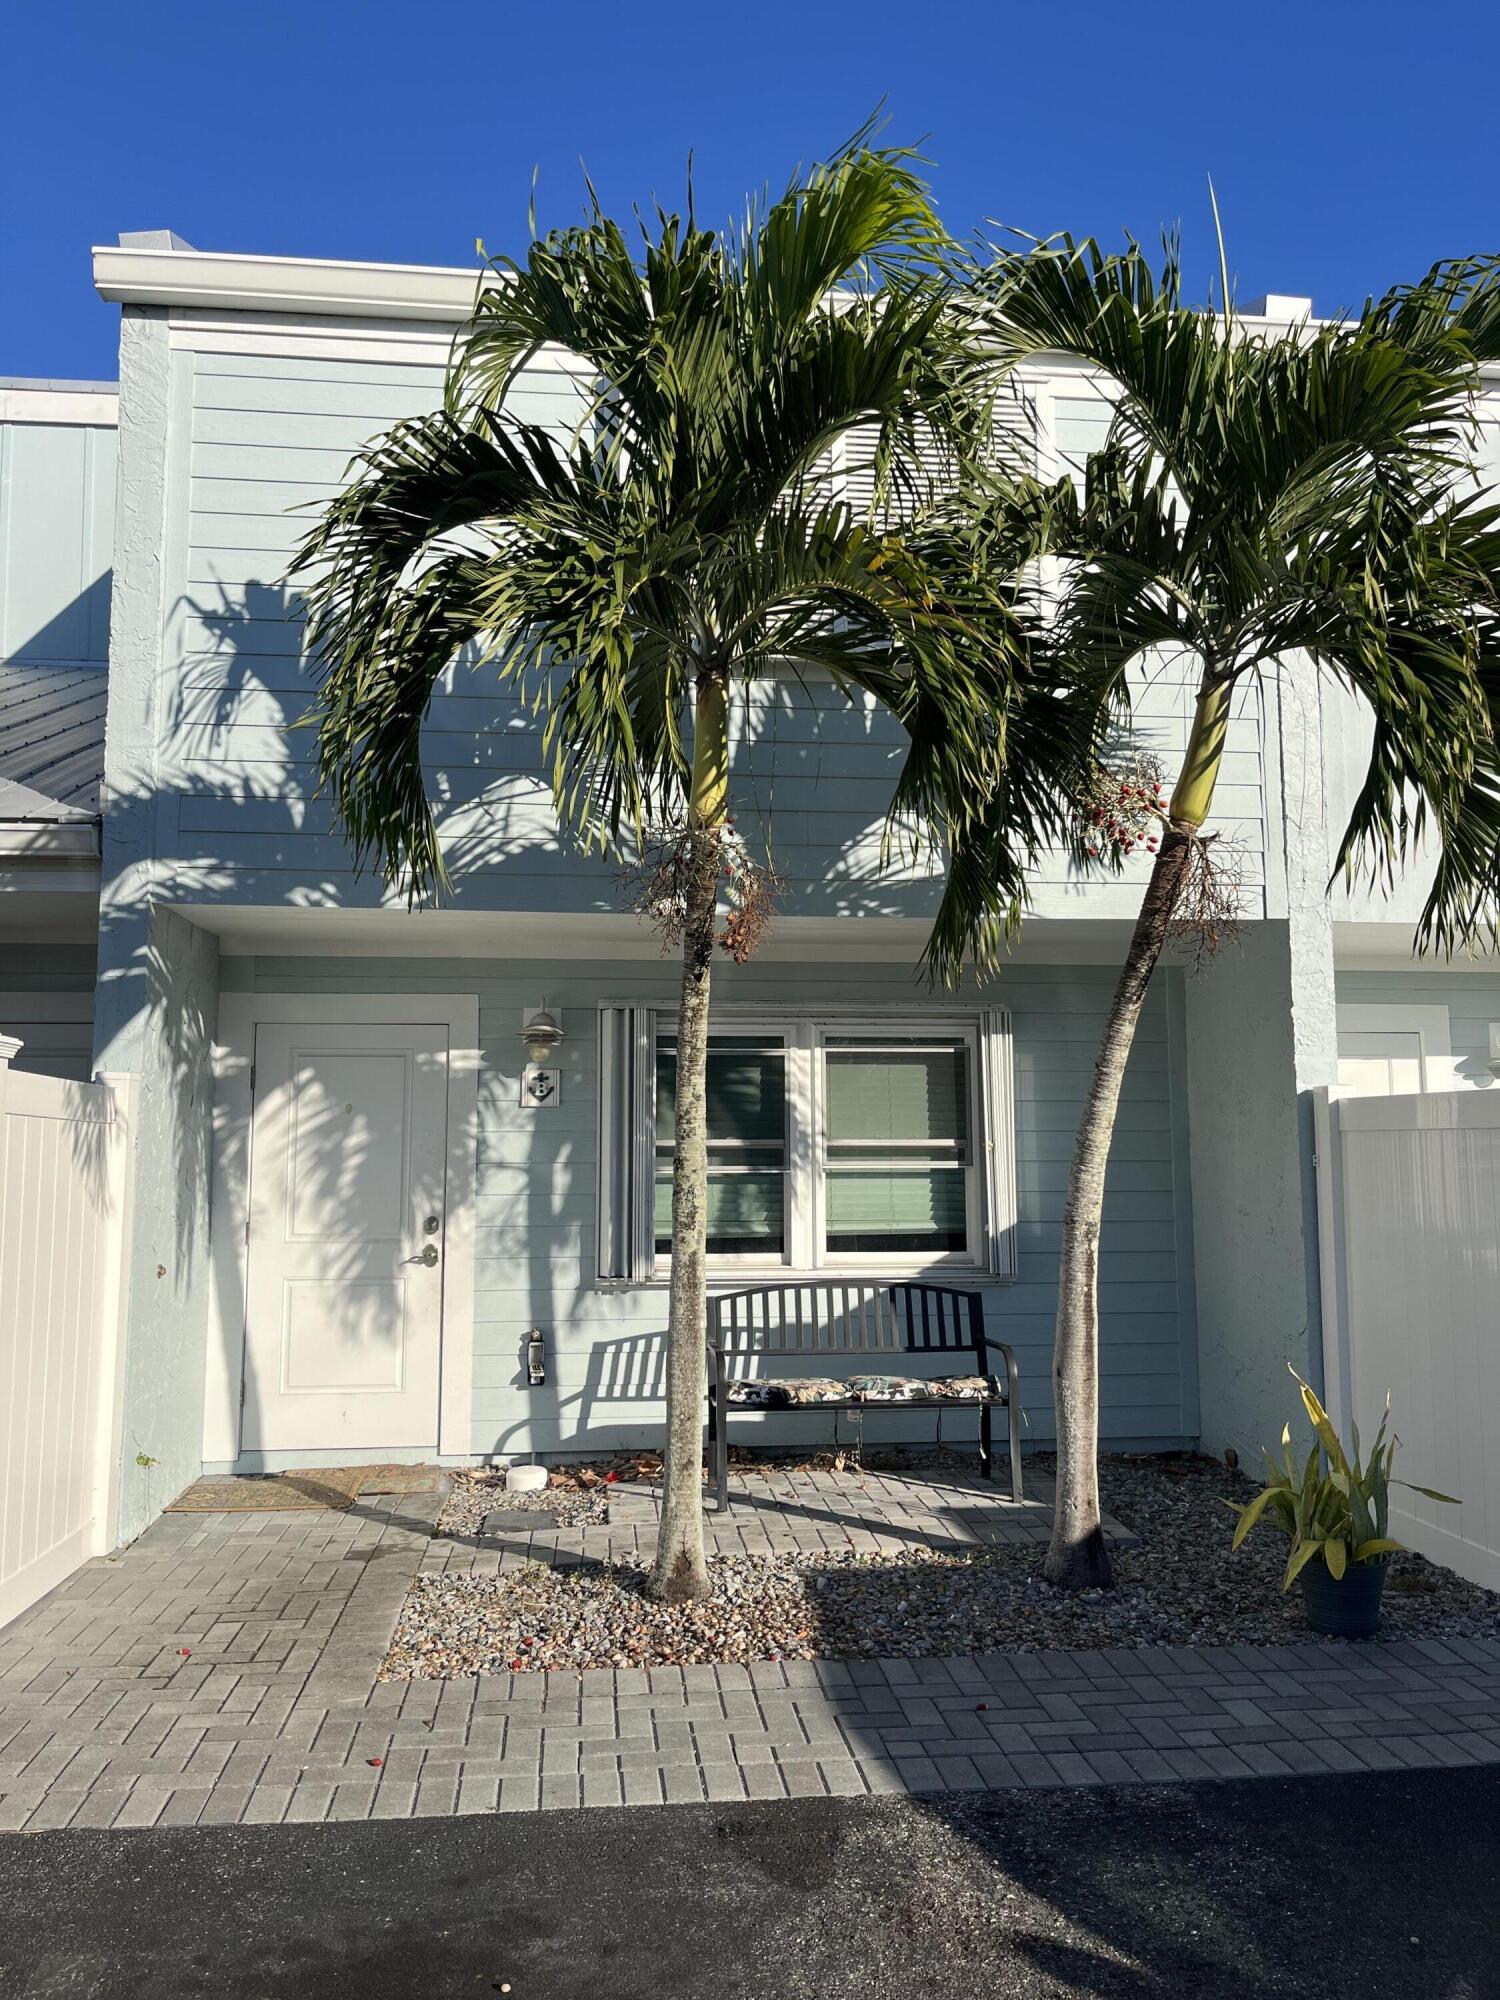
332,1487
375,1479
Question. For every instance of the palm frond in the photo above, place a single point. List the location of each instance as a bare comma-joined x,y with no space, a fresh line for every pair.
1296,498
691,521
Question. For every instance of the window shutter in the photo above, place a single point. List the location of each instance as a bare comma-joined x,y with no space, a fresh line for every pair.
857,465
1016,450
999,1153
627,1143
859,445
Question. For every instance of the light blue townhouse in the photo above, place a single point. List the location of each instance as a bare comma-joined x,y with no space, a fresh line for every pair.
358,1206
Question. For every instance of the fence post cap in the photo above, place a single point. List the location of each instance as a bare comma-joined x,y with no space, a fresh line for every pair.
10,1045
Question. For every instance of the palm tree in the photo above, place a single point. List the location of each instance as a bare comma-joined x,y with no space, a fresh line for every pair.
685,543
1301,500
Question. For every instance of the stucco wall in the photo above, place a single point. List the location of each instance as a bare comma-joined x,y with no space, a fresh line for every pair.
166,1038
1252,1169
156,1005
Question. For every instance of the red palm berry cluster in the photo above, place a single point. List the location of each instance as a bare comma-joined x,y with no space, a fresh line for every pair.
1122,809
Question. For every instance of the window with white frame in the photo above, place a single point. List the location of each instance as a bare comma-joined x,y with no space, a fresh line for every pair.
835,1143
1389,1049
895,1166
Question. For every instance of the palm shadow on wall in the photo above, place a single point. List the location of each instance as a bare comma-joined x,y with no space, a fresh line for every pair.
235,808
243,779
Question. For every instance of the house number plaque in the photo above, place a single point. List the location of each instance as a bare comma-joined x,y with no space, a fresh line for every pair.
540,1086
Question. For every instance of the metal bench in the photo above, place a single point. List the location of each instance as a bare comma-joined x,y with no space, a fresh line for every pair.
836,1322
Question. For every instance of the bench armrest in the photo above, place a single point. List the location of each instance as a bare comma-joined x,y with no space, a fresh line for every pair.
1012,1372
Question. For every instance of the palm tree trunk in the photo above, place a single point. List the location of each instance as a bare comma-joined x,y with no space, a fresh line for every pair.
680,1571
1076,1557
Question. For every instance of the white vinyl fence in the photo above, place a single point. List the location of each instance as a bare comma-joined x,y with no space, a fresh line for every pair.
64,1192
1409,1237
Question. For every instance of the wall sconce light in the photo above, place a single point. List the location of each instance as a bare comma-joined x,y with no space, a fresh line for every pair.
1494,1061
541,1032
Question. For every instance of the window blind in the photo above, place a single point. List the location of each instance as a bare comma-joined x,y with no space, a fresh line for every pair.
906,1095
747,1117
897,1137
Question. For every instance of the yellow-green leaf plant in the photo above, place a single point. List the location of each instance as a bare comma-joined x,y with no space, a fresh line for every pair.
1337,1505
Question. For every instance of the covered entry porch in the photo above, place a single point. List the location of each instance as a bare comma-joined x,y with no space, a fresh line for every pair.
555,1202
305,1307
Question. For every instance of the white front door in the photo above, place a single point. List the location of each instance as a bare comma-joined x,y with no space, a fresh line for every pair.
345,1249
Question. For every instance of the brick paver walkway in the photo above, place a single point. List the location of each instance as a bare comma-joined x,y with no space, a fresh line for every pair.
222,1669
783,1510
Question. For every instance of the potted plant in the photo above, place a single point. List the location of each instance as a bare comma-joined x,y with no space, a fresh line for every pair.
1335,1512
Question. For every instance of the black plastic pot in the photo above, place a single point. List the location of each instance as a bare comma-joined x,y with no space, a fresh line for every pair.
1347,1606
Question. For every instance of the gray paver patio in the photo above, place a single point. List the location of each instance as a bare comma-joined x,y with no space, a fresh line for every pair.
222,1669
779,1511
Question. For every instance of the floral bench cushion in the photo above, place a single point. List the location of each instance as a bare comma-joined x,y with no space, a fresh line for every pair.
768,1393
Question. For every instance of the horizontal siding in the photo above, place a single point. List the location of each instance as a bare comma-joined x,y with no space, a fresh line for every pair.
535,1247
47,998
57,508
269,438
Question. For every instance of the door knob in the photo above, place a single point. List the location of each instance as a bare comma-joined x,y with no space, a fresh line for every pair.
428,1257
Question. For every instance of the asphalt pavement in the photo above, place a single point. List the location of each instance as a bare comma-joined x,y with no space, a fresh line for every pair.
1328,1887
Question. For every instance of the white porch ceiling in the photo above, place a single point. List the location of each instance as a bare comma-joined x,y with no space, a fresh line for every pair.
1387,946
516,934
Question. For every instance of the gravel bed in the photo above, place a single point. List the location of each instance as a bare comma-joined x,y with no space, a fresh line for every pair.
1181,1586
1222,1597
480,1491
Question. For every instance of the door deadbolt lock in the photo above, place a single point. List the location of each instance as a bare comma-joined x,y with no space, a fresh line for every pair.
432,1225
430,1255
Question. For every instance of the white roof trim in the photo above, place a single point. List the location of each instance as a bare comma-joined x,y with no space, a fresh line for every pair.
197,284
22,405
396,932
229,282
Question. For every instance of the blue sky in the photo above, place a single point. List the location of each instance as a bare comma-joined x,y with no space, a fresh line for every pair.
1351,141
